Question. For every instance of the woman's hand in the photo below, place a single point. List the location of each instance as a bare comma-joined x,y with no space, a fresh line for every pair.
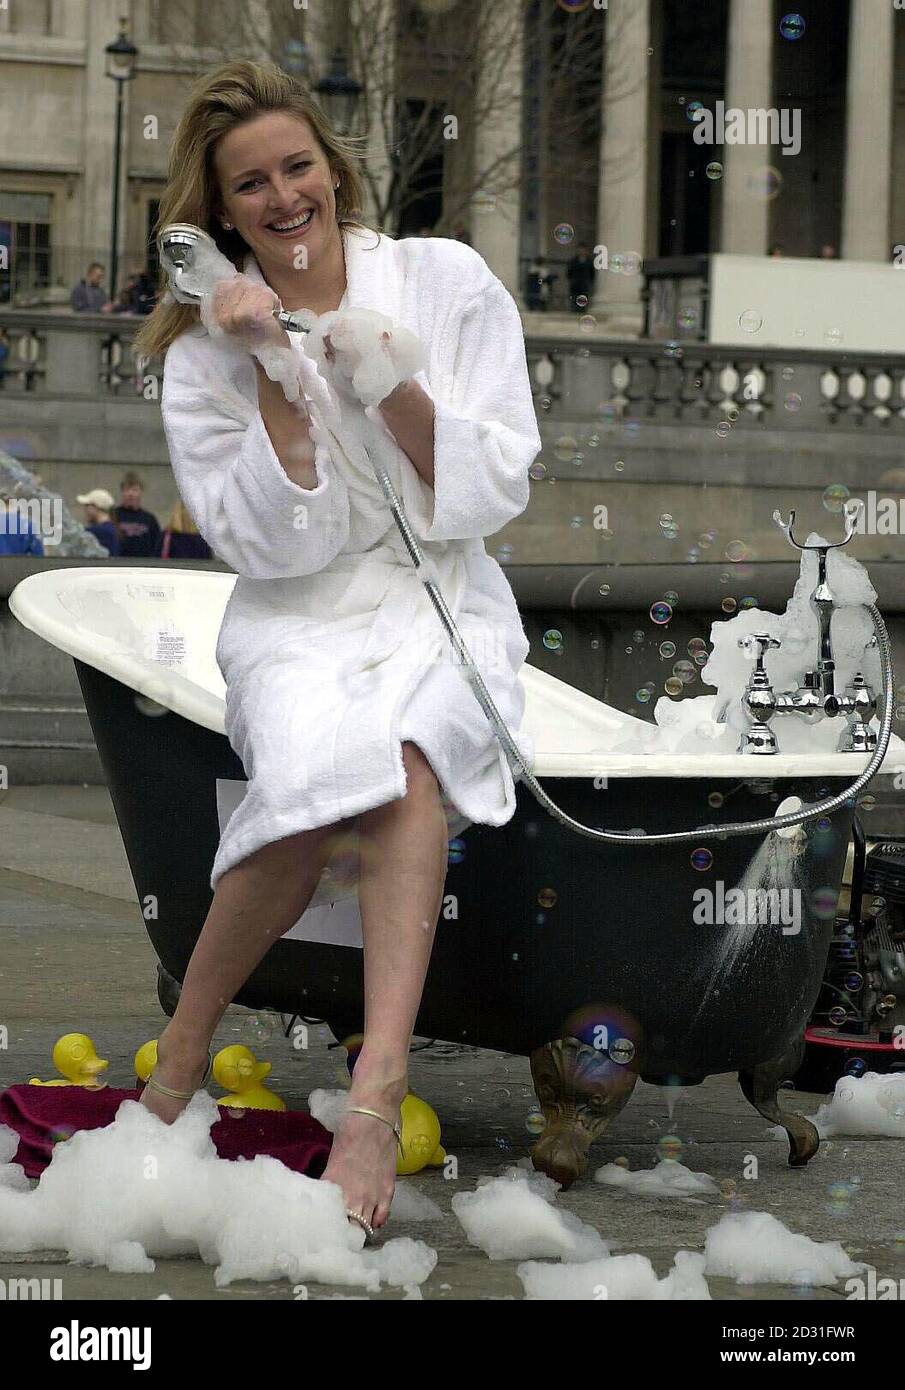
244,309
367,353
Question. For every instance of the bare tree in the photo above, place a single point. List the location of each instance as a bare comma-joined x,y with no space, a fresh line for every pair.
432,74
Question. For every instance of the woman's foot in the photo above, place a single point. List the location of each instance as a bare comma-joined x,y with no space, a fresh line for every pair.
180,1064
363,1157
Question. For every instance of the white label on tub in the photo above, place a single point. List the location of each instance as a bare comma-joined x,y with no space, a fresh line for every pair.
162,593
333,923
166,646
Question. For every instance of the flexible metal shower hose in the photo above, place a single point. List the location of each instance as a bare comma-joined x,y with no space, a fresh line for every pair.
519,767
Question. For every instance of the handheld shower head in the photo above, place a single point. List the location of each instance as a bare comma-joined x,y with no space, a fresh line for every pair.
194,264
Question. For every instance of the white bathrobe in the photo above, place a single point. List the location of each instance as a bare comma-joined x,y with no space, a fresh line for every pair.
330,648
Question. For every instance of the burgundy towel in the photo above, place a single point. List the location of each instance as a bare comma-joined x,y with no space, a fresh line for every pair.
42,1115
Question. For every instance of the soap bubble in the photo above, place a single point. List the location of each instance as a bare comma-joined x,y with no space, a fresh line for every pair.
622,1050
792,26
573,6
835,497
606,534
622,1162
833,337
723,429
669,532
749,601
535,1122
666,519
581,301
149,707
750,321
855,1066
729,605
619,465
537,471
667,649
671,596
456,851
638,635
547,897
673,350
792,402
686,671
260,1027
563,233
687,318
553,639
697,647
604,590
701,859
575,522
706,539
714,169
631,263
837,1016
692,107
823,902
715,799
587,323
566,448
670,1146
544,402
660,612
673,686
642,696
764,183
736,550
854,981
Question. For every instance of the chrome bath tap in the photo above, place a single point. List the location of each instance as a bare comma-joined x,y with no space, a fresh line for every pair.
816,699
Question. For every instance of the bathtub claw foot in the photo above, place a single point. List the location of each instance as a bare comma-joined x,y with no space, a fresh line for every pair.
580,1090
761,1085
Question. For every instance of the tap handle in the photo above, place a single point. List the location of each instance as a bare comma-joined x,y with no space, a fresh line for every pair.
757,644
852,511
299,321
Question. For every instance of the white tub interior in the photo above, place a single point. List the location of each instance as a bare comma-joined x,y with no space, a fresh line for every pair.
156,630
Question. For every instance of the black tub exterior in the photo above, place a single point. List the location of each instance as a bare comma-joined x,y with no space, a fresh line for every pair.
510,966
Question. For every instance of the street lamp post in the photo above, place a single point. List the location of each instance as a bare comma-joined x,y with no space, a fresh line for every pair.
122,56
339,93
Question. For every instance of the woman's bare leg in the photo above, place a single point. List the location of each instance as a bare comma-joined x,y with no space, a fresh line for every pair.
401,879
255,902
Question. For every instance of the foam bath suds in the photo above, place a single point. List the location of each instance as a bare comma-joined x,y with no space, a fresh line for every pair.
617,1278
509,1219
668,1178
712,724
367,366
872,1104
138,1188
753,1247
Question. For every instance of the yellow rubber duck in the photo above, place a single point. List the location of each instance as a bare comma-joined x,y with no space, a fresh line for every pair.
418,1122
237,1070
420,1137
145,1060
74,1055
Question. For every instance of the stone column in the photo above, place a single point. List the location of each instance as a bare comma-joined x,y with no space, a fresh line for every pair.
868,133
749,83
622,182
497,147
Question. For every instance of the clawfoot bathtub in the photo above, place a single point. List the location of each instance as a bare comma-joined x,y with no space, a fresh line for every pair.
602,963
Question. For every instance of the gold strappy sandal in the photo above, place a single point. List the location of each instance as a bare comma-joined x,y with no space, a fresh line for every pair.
363,1110
183,1095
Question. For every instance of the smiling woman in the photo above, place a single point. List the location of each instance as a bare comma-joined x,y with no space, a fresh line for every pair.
346,718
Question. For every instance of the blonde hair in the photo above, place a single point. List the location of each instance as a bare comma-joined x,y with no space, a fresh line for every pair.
228,97
180,519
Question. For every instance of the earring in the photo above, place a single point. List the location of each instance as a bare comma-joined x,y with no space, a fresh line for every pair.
227,226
